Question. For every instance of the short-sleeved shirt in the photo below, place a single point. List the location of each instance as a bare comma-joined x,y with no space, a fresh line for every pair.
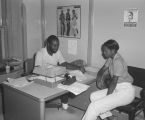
118,67
43,58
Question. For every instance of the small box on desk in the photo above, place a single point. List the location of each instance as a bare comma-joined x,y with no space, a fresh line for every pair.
48,82
50,71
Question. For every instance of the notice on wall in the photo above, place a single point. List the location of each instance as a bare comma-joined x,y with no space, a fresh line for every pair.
130,17
72,47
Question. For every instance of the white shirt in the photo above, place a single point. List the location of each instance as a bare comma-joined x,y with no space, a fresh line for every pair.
43,58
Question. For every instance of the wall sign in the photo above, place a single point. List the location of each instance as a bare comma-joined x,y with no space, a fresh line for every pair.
130,18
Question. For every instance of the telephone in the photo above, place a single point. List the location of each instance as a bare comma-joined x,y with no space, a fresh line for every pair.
68,79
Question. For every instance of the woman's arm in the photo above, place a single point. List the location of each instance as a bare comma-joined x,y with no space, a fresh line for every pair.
112,85
101,72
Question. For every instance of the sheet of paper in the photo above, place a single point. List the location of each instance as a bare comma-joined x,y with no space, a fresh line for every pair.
72,47
76,88
19,82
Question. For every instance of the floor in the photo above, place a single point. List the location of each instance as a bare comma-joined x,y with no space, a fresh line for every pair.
55,114
73,114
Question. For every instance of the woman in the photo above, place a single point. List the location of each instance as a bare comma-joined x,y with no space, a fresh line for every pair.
120,90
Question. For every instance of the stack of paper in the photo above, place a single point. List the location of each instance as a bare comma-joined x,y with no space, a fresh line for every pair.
76,88
43,78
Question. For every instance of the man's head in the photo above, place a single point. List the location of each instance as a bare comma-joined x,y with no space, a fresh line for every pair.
52,44
73,11
130,15
68,10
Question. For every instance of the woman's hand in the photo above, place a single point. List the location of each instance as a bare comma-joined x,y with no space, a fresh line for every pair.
112,85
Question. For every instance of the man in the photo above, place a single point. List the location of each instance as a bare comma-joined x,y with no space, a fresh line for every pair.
130,16
51,55
62,22
68,18
74,23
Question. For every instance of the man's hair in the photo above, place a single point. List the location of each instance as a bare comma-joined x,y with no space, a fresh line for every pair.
131,13
111,44
50,39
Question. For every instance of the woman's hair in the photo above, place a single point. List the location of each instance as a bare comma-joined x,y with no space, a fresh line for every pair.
111,44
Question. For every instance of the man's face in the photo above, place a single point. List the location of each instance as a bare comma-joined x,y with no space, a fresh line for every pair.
130,16
53,46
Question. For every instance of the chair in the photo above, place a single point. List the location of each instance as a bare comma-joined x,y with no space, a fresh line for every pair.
134,108
28,66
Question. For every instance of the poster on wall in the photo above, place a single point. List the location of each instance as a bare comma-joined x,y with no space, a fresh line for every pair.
68,21
130,18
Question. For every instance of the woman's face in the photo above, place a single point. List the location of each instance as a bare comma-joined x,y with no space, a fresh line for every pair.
106,52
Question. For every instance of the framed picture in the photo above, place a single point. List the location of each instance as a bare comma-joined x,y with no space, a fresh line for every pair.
130,18
68,21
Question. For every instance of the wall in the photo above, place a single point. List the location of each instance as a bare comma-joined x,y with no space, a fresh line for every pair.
51,26
108,23
33,28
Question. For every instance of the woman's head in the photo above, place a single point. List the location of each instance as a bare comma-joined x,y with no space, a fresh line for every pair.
109,48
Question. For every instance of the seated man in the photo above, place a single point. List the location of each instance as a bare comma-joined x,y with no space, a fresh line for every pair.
51,55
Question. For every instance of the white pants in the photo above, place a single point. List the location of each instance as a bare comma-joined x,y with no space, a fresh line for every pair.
123,94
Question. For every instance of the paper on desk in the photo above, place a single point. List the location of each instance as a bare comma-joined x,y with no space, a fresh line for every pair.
19,82
79,75
76,88
54,79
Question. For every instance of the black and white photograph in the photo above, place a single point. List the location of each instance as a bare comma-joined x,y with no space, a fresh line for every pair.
72,59
131,17
68,21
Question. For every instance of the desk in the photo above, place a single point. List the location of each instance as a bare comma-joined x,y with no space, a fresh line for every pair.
28,103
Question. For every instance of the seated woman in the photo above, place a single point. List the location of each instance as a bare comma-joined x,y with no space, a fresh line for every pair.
120,90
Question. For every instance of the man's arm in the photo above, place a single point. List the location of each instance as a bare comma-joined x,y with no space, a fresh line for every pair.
38,59
72,66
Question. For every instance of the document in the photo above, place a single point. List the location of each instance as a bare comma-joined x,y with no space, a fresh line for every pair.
76,88
19,82
72,47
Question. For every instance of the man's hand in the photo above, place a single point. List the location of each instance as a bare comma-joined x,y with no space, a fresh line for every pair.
82,69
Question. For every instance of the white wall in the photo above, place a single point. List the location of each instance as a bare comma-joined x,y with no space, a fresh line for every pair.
108,23
51,26
33,20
